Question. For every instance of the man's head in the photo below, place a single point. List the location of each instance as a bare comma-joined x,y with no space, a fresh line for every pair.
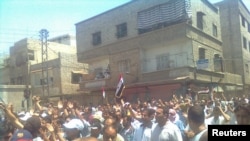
196,116
172,115
217,111
73,128
242,113
109,121
21,135
6,130
95,129
126,122
109,133
33,124
161,115
148,115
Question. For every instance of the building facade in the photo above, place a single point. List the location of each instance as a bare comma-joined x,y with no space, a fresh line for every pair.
235,18
160,48
64,39
24,67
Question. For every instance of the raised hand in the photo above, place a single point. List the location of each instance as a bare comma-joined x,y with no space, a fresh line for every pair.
49,127
60,104
70,105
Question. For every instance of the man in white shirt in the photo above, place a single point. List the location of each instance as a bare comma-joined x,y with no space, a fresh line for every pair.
218,117
144,131
165,130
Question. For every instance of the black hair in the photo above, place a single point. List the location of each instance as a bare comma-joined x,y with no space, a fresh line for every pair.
196,114
129,118
243,106
6,127
33,124
149,111
110,126
97,124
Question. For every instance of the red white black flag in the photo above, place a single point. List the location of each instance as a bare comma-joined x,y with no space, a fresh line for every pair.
119,88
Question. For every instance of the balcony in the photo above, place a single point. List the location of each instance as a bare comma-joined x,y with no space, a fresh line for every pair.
167,74
94,81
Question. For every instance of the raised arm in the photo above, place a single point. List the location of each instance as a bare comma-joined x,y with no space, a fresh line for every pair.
14,120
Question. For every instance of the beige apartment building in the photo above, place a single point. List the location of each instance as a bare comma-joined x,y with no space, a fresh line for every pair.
24,67
160,47
64,39
235,18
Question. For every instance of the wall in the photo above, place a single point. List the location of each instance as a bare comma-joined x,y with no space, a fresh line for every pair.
12,94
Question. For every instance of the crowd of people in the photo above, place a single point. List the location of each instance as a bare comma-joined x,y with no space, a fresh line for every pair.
178,119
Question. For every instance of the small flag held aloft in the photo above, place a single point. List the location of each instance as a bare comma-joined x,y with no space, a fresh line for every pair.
120,87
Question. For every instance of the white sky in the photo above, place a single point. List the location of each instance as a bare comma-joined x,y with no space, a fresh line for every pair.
25,18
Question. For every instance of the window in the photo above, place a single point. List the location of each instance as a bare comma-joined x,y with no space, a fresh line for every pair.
31,55
202,53
163,15
216,56
247,68
200,20
43,81
162,62
214,30
20,80
218,63
248,27
121,30
123,66
76,77
96,38
243,21
245,42
99,73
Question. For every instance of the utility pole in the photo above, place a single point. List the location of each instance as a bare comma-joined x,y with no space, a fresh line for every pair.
27,91
45,75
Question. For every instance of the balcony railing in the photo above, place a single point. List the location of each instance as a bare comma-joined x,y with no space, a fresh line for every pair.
94,80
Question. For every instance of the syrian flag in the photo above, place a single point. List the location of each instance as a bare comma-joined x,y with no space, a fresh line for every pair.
119,87
103,93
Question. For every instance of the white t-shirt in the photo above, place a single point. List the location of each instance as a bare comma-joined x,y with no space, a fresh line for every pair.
38,139
142,134
211,121
198,136
169,132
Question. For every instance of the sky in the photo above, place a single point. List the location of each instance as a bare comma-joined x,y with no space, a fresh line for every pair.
21,19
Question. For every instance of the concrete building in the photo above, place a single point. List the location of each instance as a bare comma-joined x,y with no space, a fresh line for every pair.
4,71
160,47
235,21
24,68
64,39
